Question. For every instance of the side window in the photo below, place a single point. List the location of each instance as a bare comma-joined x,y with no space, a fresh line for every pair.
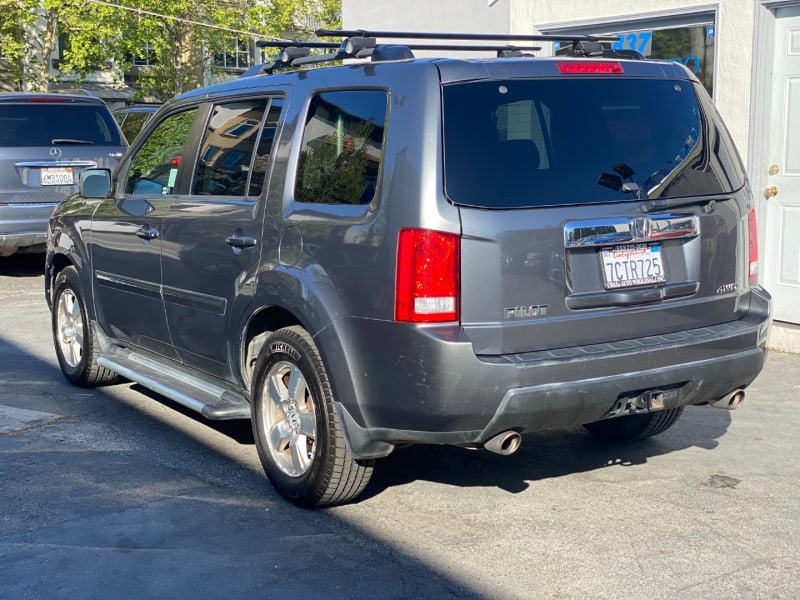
236,147
261,159
342,147
154,167
133,124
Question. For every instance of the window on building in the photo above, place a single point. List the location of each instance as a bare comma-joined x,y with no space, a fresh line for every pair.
688,39
342,147
145,57
238,58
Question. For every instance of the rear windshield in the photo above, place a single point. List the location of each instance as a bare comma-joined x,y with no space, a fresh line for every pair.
547,142
46,124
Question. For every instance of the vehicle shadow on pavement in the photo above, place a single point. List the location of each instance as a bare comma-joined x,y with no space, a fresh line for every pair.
22,265
544,455
238,430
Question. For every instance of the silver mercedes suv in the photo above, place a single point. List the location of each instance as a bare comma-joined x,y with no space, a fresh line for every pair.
402,251
46,140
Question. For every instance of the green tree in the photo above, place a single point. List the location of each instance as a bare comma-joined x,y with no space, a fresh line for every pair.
179,38
16,16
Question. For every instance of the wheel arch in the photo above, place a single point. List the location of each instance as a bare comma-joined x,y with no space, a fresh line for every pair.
260,325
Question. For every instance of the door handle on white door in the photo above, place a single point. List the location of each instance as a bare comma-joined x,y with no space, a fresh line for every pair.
771,191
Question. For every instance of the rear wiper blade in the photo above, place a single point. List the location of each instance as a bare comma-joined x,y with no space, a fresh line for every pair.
68,141
655,205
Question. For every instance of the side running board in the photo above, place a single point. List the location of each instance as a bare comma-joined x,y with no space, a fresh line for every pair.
211,401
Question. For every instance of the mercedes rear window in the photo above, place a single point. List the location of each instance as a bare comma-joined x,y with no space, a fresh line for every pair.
56,123
546,142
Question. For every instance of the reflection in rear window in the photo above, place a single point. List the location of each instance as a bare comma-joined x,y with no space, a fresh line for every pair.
39,124
550,142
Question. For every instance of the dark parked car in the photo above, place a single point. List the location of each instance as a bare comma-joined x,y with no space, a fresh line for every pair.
419,251
132,118
46,141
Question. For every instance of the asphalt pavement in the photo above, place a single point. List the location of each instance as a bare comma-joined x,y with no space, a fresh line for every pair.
118,493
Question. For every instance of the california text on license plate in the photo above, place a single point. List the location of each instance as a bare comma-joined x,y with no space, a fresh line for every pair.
57,176
635,264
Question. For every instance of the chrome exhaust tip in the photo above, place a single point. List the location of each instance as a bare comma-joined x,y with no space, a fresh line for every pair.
504,443
729,401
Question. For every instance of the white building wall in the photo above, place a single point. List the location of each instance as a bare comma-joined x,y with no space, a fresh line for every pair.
427,15
733,48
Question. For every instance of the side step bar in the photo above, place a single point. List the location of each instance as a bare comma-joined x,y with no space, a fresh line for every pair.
211,401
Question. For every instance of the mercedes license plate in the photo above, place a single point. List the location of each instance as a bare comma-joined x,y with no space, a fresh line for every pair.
57,176
632,265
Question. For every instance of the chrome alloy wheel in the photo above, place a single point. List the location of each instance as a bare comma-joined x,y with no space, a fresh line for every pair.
69,328
290,419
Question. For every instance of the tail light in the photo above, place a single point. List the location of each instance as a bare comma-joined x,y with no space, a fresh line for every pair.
752,260
588,67
428,272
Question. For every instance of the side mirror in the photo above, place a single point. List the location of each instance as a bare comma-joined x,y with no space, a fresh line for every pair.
96,183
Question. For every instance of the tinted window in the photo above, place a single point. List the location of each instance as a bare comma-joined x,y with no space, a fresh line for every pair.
571,141
264,149
133,123
154,167
46,124
342,147
236,148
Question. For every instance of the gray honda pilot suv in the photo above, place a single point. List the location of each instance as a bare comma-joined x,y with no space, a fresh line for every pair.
402,251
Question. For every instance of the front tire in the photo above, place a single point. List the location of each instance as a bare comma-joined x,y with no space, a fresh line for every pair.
76,346
635,427
297,430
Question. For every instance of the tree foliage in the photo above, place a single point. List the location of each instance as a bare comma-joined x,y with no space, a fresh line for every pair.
179,38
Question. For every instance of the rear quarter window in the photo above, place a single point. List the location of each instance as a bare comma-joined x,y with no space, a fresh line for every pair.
342,147
547,142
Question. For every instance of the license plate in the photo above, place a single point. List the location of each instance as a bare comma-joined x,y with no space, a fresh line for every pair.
629,266
57,176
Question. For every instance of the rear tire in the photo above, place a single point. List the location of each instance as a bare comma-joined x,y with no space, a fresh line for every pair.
297,430
635,427
73,337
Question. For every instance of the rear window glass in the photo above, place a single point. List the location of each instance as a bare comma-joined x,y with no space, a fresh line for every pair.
47,124
547,142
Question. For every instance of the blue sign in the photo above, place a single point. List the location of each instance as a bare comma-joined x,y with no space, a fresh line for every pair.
710,31
640,41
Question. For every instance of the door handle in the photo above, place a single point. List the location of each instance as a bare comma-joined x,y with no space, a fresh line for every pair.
771,191
146,232
240,240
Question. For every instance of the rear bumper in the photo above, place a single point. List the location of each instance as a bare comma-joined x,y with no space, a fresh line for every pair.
24,226
437,391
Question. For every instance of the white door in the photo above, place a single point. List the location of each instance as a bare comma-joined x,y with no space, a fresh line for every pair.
781,261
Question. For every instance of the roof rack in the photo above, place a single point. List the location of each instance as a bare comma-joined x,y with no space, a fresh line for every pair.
361,43
431,35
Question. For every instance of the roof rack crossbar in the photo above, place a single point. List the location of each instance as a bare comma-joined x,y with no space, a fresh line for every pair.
430,35
295,44
465,47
